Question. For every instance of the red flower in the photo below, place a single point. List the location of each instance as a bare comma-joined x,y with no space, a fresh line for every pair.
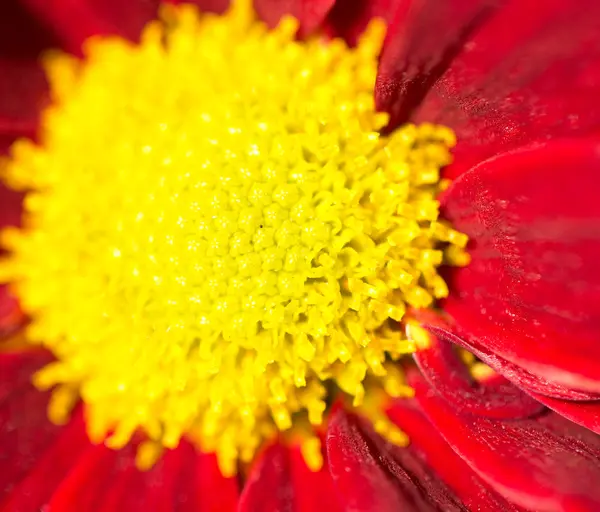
518,84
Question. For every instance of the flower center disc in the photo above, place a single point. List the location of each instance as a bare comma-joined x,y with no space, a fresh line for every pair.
214,228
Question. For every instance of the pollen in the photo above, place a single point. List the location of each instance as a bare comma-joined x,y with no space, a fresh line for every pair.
217,239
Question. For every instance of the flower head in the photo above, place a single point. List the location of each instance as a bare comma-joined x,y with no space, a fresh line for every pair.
244,237
230,254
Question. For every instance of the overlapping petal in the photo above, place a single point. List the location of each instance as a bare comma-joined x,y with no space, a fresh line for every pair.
497,398
584,413
544,463
423,38
513,372
501,74
373,475
531,295
431,447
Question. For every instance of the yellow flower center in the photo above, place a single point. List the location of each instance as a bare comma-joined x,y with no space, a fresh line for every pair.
217,241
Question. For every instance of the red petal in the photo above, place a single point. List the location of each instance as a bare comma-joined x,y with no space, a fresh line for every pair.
543,464
586,414
76,20
444,329
16,370
436,453
25,431
577,407
87,484
108,481
349,18
10,215
517,375
23,93
422,39
450,378
33,492
131,489
530,74
280,480
45,465
22,37
22,82
373,475
213,492
310,13
314,490
11,315
10,207
269,486
531,294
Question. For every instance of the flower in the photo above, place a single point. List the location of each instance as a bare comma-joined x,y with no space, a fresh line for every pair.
477,439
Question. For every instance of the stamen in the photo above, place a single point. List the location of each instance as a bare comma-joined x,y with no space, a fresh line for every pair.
217,238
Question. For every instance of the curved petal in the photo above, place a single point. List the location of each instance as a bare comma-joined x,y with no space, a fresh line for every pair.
529,74
436,453
586,414
531,294
310,13
545,463
443,328
451,379
520,377
373,475
281,481
75,20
